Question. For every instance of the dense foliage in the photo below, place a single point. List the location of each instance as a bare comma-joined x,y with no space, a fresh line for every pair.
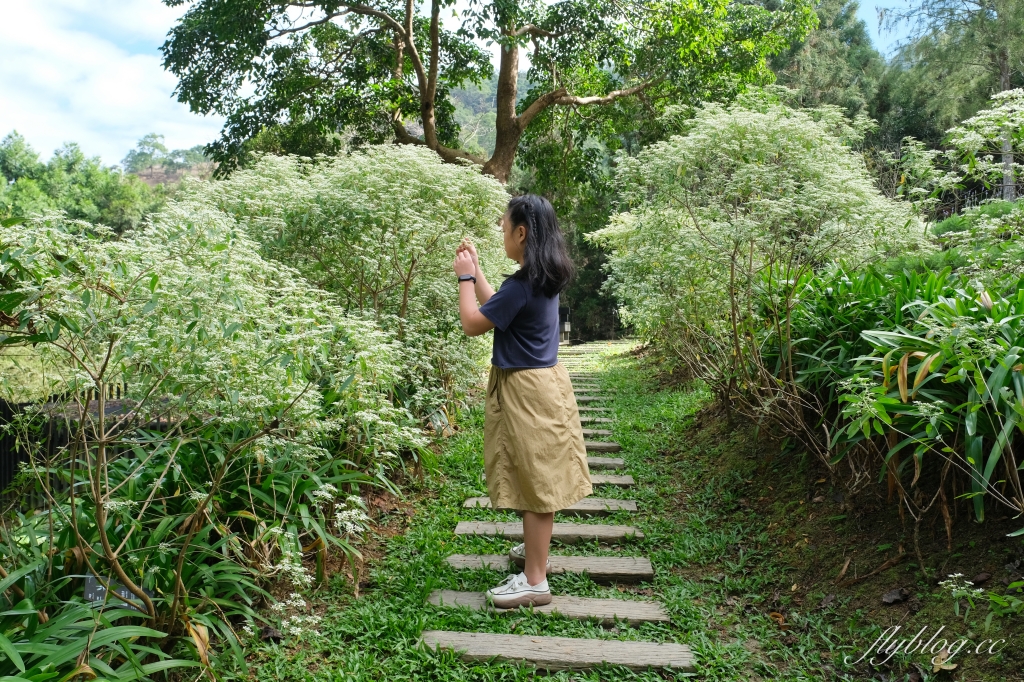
759,253
81,187
387,70
957,54
835,64
742,206
151,153
207,409
378,228
212,406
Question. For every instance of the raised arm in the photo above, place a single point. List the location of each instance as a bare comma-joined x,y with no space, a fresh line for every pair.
473,321
483,288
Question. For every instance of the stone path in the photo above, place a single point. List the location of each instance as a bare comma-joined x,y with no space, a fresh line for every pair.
566,653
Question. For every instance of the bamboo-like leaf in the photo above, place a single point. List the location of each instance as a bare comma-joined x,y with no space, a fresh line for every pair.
978,482
201,637
901,377
918,457
7,647
926,369
887,368
83,671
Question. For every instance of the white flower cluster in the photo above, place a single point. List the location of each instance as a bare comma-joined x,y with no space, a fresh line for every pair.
325,492
350,521
113,506
298,625
290,564
959,586
777,185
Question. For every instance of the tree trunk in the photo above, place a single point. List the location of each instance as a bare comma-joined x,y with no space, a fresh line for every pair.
507,126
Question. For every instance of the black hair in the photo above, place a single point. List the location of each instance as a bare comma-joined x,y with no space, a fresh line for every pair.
546,263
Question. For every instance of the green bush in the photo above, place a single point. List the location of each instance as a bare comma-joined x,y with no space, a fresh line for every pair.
727,223
970,217
81,187
217,410
758,252
378,229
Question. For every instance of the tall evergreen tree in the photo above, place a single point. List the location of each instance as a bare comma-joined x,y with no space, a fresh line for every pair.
836,64
958,54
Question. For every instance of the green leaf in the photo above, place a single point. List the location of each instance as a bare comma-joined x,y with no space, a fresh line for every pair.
8,648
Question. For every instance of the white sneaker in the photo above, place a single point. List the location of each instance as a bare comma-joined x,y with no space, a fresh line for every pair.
517,591
517,555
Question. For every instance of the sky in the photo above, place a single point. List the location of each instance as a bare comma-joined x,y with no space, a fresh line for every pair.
88,71
885,41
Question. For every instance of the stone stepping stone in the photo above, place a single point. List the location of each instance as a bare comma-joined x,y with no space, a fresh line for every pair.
591,398
611,479
568,533
600,569
596,432
594,409
605,462
605,611
560,653
588,506
596,420
601,446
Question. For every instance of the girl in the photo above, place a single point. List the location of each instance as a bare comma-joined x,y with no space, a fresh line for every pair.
533,443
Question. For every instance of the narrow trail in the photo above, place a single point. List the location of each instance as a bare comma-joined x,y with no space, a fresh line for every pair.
608,472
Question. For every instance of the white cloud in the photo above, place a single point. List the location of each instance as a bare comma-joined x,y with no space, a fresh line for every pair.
89,72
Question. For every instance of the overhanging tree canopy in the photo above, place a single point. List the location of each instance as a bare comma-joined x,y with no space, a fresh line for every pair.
385,68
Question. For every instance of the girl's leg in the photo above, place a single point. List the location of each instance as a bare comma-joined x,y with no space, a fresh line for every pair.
537,530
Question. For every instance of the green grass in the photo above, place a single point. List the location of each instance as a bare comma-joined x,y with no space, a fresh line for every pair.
717,567
22,376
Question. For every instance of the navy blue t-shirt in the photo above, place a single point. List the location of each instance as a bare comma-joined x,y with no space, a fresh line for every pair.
525,326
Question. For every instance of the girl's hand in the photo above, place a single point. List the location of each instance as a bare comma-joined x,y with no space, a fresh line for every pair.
464,263
468,247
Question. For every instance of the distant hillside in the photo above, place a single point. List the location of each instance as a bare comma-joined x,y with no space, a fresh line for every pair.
475,108
162,175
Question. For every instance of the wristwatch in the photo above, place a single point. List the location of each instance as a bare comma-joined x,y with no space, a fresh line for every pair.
467,278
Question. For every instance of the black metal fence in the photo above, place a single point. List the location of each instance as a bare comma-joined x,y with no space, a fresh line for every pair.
10,457
50,436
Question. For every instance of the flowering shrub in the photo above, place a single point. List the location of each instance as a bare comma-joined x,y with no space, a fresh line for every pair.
207,407
378,228
726,223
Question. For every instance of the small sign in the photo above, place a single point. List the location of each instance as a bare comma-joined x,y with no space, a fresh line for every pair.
95,592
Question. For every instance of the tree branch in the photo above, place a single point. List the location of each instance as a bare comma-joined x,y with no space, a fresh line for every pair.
538,105
536,31
298,29
414,56
561,97
447,154
572,100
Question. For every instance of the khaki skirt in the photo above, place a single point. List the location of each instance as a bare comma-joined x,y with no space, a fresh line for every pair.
534,454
